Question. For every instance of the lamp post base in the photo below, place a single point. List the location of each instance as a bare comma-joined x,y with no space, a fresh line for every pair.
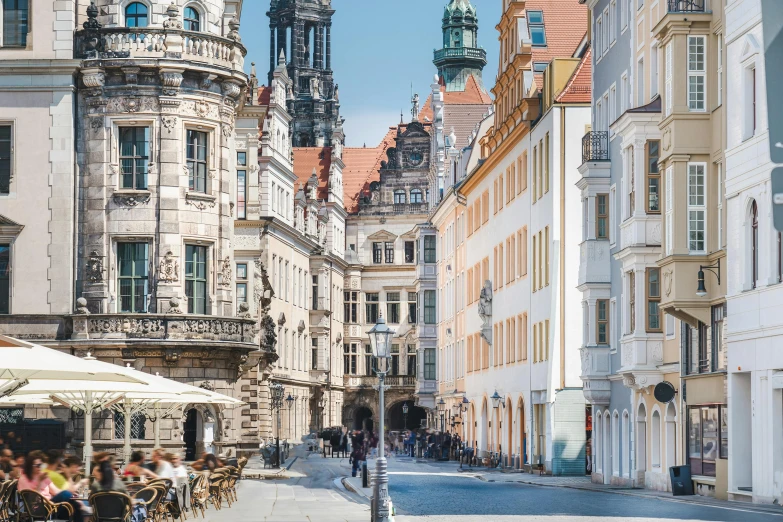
382,501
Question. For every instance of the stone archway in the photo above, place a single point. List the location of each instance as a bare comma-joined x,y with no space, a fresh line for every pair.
363,419
396,420
201,430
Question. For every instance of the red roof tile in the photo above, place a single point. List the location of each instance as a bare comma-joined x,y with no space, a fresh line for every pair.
362,165
472,95
578,88
565,23
308,158
264,95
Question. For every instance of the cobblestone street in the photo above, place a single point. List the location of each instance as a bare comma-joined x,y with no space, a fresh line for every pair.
438,492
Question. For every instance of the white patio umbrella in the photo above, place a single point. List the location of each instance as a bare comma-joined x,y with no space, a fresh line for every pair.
155,394
22,363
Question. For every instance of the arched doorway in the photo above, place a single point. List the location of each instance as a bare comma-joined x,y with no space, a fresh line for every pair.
362,419
199,432
397,420
508,447
471,430
483,440
522,442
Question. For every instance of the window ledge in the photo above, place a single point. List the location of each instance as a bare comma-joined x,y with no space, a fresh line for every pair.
200,200
703,479
131,197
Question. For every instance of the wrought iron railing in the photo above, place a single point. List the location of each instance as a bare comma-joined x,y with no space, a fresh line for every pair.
687,6
595,146
461,52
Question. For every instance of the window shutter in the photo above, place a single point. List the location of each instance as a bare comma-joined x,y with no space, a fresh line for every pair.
668,79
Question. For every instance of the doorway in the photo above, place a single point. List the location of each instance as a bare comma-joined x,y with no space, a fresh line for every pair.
362,419
190,433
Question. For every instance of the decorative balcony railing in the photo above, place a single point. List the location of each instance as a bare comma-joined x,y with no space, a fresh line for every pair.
368,381
687,6
150,42
595,146
410,208
170,327
461,52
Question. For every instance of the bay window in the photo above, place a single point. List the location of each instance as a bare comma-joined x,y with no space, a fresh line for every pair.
697,208
654,300
697,74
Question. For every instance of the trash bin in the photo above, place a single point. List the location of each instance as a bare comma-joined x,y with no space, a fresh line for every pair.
681,480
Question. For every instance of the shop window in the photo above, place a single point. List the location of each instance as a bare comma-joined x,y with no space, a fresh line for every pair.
707,438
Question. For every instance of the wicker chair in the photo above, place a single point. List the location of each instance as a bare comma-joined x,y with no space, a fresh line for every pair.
37,507
217,488
231,482
150,498
199,494
9,502
162,511
111,506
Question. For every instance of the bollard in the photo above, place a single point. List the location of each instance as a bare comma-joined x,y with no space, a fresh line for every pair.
365,475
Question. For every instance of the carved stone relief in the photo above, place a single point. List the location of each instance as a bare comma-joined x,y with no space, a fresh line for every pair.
169,122
131,199
169,268
95,269
225,272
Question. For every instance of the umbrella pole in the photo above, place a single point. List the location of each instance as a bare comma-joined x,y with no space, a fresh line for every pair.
88,430
127,417
156,427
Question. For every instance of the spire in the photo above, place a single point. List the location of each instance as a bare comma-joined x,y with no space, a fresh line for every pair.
461,55
281,58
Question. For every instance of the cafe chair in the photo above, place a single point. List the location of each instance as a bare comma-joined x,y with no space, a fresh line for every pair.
150,499
9,505
37,507
199,494
111,506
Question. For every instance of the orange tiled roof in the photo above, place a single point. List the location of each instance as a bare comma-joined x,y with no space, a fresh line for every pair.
472,95
308,158
264,95
565,23
578,88
362,165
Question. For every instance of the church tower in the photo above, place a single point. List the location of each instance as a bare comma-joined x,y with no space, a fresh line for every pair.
461,56
302,31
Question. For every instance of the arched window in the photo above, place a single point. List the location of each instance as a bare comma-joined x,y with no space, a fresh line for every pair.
136,15
192,19
655,433
415,196
754,244
399,196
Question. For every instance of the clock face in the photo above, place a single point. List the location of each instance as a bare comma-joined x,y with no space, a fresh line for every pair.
416,158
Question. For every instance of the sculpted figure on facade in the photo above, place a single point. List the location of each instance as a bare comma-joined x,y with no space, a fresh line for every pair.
485,311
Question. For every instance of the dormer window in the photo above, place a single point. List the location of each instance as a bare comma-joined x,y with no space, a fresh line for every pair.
535,21
192,19
136,15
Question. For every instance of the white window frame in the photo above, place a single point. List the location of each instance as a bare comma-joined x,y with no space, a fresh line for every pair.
612,215
640,100
669,209
698,75
697,206
721,189
612,325
624,92
606,31
599,26
720,69
613,21
625,8
668,80
654,88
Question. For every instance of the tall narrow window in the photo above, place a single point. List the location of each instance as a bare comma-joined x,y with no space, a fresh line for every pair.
754,244
669,219
377,249
241,282
136,15
197,160
640,100
696,208
399,197
196,278
241,185
602,216
416,196
412,312
429,249
720,69
721,196
668,80
602,321
192,19
753,100
696,73
654,300
371,308
653,177
545,248
546,163
780,257
430,316
6,147
134,157
632,301
315,292
5,278
411,362
15,23
429,364
133,280
393,307
409,252
388,248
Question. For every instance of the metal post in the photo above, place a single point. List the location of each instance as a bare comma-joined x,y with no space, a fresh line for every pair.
277,440
381,486
127,416
87,429
156,427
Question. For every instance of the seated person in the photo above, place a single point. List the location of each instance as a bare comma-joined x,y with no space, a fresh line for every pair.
135,467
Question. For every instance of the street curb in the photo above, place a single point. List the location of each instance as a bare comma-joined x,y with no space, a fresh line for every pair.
347,485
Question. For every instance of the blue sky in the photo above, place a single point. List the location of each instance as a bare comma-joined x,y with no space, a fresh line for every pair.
378,49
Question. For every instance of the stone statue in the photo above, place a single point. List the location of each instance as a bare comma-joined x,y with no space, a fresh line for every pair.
485,304
415,109
315,88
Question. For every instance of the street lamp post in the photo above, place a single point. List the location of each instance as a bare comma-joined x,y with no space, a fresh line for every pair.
497,402
405,413
289,402
462,407
276,392
380,340
442,412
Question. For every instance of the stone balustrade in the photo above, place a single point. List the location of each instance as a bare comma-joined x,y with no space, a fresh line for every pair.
164,327
368,381
149,42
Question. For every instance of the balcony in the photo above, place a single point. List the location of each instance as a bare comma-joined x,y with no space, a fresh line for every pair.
444,55
642,354
687,6
595,146
596,367
157,43
594,263
368,381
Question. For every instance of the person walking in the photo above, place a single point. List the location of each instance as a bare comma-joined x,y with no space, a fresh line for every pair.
412,444
358,454
446,447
